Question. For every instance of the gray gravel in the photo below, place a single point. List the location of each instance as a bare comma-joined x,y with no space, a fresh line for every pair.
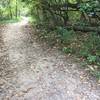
31,71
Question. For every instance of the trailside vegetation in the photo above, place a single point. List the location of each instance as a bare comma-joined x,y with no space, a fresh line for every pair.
11,10
72,24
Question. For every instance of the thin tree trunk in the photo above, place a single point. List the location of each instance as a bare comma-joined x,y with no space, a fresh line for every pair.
84,28
16,8
10,10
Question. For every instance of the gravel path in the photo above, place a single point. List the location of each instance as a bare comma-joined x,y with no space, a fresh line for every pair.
28,71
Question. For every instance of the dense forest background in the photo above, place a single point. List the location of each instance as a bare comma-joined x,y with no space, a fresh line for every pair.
64,12
74,25
12,9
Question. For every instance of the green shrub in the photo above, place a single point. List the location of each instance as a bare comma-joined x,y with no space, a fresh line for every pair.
91,59
86,46
65,35
84,52
67,50
91,48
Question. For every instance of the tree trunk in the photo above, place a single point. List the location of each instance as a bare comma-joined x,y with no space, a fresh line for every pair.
84,28
10,10
16,9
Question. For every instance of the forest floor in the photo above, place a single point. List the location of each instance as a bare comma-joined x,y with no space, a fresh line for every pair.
30,70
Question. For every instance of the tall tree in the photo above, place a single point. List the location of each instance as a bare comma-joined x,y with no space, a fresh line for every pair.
16,8
10,9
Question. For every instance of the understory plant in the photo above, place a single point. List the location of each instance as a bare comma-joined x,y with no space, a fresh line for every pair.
85,45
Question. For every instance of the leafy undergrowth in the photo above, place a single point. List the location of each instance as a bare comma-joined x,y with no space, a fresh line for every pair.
86,46
10,21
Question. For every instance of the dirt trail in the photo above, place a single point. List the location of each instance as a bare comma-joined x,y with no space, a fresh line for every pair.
28,71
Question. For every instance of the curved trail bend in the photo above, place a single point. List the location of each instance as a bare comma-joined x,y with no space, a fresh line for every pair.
28,71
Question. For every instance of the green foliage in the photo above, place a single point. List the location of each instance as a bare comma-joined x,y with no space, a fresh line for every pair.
11,9
91,59
10,21
97,74
92,5
65,35
74,16
59,12
67,50
84,52
90,51
86,46
53,16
